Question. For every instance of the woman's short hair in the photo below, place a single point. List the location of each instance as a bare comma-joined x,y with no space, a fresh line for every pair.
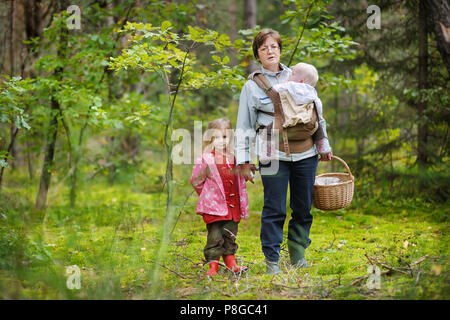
262,36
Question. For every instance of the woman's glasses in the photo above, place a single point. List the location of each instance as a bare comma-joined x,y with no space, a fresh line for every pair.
265,49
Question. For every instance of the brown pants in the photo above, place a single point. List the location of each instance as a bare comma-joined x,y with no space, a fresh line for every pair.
221,239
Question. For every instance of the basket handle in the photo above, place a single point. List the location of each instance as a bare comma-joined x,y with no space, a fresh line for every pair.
345,165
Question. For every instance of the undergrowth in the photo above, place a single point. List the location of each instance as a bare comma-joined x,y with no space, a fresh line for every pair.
113,234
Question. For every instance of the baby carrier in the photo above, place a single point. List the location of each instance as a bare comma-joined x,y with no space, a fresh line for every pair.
298,125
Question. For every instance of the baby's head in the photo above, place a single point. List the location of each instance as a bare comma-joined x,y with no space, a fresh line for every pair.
218,136
304,73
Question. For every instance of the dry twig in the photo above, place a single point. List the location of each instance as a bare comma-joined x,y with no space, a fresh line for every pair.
409,270
174,272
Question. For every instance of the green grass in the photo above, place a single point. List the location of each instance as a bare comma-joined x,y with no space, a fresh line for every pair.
113,236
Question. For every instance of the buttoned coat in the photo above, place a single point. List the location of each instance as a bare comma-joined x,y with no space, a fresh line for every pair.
210,190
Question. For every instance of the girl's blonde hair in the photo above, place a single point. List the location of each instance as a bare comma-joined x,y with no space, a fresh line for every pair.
208,136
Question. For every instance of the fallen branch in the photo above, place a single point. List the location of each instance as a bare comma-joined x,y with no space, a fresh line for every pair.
289,287
192,261
368,258
367,276
174,272
374,260
420,260
217,290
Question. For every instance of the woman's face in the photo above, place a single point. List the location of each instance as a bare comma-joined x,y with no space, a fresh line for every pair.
269,54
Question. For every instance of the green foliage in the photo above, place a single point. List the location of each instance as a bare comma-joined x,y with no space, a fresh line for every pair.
15,95
157,49
321,37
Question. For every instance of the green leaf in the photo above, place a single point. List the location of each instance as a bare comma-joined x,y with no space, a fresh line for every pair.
25,124
3,163
165,25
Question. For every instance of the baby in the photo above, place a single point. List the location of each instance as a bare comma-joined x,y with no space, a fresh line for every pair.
300,86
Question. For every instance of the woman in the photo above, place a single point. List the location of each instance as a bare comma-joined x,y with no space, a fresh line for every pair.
298,169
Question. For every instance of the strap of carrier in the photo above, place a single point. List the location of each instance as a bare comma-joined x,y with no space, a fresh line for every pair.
264,84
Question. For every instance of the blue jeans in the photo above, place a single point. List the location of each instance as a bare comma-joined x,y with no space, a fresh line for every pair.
300,176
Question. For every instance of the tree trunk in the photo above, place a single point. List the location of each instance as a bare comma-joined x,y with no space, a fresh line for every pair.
439,12
422,127
233,25
29,162
33,22
11,143
47,167
250,22
13,129
12,63
34,25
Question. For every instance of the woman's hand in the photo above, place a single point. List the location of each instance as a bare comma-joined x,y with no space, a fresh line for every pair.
326,156
244,170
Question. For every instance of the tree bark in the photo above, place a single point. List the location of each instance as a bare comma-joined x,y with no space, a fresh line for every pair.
13,129
250,22
439,13
233,25
48,164
47,167
11,143
34,25
12,63
422,126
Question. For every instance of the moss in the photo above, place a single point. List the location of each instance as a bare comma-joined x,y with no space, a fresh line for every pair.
113,235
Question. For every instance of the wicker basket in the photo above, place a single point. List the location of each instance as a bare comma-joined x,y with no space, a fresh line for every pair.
335,196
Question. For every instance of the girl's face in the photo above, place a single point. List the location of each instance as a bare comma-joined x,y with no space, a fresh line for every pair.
221,139
269,54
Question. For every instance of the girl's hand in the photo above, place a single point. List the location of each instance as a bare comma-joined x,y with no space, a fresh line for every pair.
198,179
244,170
204,174
326,156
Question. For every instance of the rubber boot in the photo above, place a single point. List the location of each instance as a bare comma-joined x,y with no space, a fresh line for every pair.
272,268
230,262
213,268
297,254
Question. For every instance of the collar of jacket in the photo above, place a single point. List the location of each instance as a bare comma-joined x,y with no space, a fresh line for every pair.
274,74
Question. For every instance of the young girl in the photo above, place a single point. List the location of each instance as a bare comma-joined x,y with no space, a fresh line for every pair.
223,199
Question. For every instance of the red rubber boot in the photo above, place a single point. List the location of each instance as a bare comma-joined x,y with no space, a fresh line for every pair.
213,268
230,262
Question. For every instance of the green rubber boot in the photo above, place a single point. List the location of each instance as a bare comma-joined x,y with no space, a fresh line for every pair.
272,268
297,254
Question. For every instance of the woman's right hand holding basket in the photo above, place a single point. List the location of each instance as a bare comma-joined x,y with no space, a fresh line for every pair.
326,156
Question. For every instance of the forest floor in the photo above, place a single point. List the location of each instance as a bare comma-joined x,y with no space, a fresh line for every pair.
113,236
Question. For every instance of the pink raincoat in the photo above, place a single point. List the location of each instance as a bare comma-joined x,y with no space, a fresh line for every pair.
211,193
